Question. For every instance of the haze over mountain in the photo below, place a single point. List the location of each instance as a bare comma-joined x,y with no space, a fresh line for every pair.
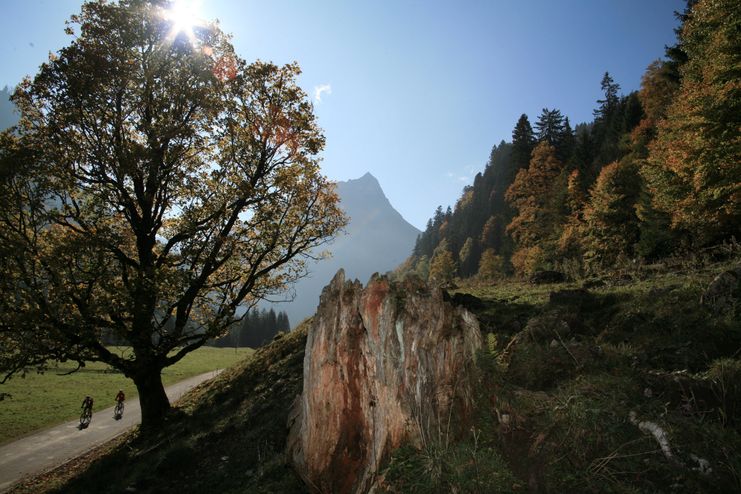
377,239
8,116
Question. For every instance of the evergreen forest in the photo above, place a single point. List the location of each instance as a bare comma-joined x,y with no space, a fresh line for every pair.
257,328
656,173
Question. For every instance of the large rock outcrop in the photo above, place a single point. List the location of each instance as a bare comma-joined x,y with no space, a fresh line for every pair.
386,364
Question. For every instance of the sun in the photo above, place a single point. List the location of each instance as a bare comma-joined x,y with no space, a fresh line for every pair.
183,14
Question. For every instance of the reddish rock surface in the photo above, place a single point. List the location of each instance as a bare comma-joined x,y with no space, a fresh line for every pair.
385,364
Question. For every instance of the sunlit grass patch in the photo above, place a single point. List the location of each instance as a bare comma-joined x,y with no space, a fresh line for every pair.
41,400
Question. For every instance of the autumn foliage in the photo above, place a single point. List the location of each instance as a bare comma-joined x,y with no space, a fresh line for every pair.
658,171
154,185
694,166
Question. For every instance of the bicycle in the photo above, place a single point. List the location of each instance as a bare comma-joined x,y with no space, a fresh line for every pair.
85,417
118,411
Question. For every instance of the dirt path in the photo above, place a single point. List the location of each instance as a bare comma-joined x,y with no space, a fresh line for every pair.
52,447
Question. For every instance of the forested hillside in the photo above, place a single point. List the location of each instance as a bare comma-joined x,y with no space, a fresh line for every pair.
257,328
657,172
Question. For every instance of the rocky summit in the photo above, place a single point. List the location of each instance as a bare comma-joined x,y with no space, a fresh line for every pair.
387,364
376,239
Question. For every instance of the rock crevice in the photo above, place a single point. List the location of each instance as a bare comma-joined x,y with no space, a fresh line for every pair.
386,364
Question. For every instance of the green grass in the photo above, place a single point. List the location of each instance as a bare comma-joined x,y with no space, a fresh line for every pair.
227,435
43,400
569,369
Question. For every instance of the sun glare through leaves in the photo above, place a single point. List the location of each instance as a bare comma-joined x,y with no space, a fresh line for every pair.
184,17
183,14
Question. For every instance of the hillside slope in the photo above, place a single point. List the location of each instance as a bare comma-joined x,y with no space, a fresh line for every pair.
575,384
578,385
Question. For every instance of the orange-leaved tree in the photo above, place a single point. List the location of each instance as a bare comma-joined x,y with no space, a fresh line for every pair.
694,165
532,197
154,183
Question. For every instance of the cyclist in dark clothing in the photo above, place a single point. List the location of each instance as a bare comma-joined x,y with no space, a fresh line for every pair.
87,404
87,412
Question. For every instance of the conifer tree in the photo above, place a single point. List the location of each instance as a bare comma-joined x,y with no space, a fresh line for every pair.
675,54
610,222
283,323
550,127
272,320
423,245
607,106
566,141
492,208
583,155
607,123
468,257
632,112
523,142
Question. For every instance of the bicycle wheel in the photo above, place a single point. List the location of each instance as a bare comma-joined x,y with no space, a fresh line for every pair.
118,411
85,417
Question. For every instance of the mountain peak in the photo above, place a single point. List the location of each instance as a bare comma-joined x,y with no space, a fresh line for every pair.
367,180
366,187
377,240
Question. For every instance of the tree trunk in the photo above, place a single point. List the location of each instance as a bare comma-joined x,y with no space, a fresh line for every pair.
152,397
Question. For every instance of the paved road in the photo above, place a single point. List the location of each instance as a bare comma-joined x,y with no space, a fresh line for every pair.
52,447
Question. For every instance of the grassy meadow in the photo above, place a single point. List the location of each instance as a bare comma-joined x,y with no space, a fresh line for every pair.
570,364
41,400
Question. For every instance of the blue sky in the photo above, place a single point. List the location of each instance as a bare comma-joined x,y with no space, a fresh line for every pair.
420,90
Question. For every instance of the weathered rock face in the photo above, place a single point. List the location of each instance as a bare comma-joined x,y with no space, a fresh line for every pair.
386,364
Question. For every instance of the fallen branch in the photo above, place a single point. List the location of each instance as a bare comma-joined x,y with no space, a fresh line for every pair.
703,465
658,433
